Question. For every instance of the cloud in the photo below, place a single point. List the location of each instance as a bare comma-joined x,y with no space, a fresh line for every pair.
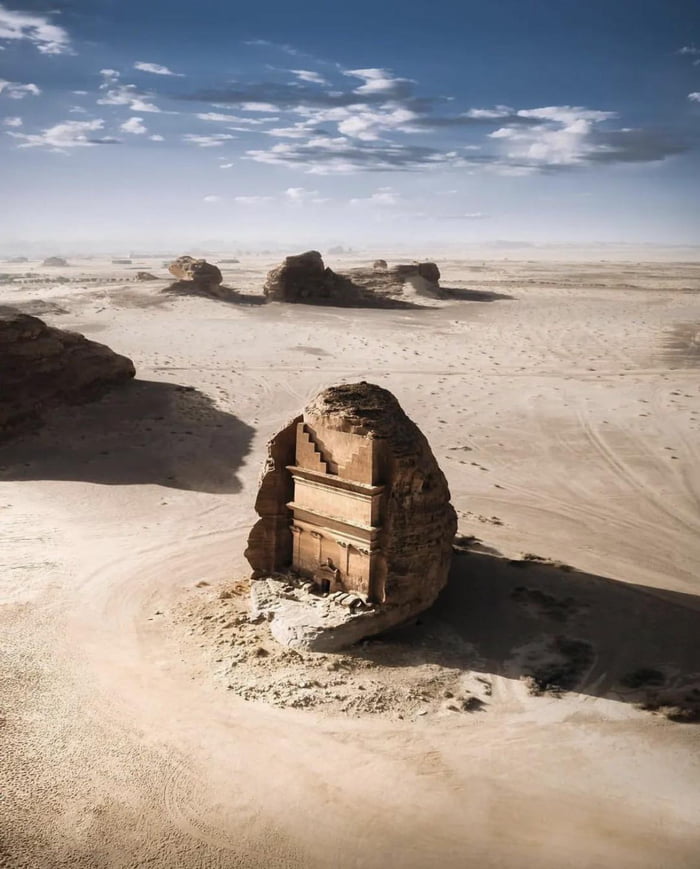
12,122
134,126
572,136
226,166
16,90
118,94
470,215
300,196
222,118
691,50
695,96
38,29
213,141
156,138
385,196
308,75
266,43
252,200
77,110
69,134
211,198
325,155
380,82
156,69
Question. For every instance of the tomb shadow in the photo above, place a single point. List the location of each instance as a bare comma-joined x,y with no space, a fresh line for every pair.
218,293
139,433
560,630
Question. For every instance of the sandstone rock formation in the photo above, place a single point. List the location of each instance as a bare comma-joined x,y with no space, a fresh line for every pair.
186,268
305,278
356,526
41,367
55,261
145,276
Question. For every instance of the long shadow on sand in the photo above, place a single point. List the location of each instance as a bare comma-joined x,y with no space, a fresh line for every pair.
561,630
216,293
143,432
461,295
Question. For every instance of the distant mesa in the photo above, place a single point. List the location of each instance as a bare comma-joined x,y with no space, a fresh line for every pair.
304,278
199,271
41,367
55,261
356,525
231,261
17,259
121,262
145,276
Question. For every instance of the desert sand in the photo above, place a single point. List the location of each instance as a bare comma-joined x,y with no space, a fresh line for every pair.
145,722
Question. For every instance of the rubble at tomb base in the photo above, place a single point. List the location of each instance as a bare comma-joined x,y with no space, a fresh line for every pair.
199,271
356,526
41,367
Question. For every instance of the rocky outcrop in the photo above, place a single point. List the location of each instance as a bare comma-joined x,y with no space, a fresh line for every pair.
412,536
186,268
55,261
41,367
305,278
145,276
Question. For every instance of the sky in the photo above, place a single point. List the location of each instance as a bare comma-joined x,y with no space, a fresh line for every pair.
158,125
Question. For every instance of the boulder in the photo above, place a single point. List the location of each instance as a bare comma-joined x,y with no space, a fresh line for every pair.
380,265
186,268
352,445
41,367
145,276
55,261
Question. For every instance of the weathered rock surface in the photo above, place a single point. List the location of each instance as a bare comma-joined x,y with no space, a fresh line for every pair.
380,264
186,268
41,367
305,278
145,276
401,282
55,261
416,526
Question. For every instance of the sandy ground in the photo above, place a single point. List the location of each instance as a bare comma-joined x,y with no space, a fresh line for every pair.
141,725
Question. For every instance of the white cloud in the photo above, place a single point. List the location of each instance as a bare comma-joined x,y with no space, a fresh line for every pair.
236,119
226,166
38,29
156,69
16,90
213,141
77,110
258,107
79,93
12,122
380,82
156,138
695,96
69,134
211,198
134,126
308,75
497,112
385,196
118,94
300,196
252,200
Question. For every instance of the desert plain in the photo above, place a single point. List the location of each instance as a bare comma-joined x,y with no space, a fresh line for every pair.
145,722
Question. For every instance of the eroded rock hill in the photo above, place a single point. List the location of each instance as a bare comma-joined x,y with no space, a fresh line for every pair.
411,537
199,271
41,367
304,278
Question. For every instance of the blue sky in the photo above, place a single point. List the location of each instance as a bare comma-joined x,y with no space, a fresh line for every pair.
167,124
